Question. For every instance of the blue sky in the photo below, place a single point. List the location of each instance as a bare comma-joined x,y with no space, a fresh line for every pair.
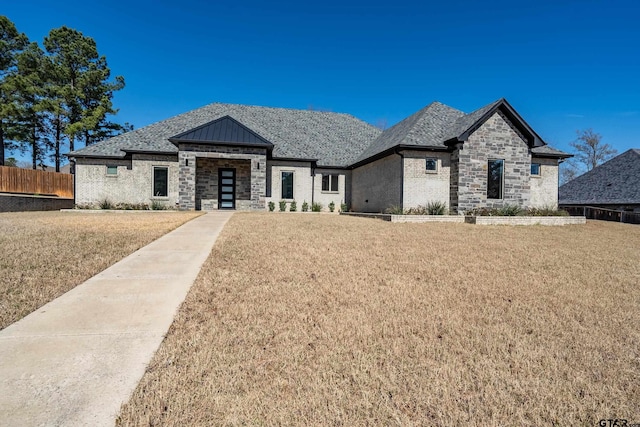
564,65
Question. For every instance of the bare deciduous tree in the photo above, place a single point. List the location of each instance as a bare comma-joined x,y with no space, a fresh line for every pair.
590,150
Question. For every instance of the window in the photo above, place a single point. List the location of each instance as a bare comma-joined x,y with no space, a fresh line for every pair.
112,170
432,165
330,183
494,179
160,182
287,185
535,168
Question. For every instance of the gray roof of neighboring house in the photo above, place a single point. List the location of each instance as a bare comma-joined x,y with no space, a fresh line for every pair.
334,139
616,181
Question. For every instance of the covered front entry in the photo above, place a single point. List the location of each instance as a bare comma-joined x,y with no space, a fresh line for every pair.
222,166
223,184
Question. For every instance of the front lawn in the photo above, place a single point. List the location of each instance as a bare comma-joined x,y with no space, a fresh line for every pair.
45,254
330,320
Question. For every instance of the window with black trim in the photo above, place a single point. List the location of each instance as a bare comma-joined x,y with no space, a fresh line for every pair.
431,165
330,183
160,182
494,179
112,170
287,185
535,169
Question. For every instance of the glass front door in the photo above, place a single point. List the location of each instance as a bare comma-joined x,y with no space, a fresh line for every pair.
226,189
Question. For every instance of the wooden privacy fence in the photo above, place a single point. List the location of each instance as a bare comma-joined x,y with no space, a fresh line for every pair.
29,181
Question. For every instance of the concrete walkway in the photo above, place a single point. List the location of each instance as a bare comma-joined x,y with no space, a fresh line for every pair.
74,361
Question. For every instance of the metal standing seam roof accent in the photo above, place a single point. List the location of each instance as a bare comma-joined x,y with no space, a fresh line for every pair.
224,130
616,181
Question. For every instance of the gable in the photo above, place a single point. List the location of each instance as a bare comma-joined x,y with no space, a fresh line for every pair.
223,131
468,124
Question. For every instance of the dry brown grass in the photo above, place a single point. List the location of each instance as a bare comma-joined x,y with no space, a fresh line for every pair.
327,320
45,254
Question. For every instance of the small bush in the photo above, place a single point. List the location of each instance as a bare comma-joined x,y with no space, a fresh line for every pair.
305,206
105,204
316,207
510,210
344,207
547,211
272,206
436,208
283,205
293,206
394,210
332,206
157,205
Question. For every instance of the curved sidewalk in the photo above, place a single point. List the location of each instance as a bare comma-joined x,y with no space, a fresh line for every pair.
75,360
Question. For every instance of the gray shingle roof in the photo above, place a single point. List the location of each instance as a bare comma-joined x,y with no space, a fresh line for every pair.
334,139
437,123
614,182
428,127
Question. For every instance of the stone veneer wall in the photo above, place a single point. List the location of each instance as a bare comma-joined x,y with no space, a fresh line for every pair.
496,139
207,182
188,165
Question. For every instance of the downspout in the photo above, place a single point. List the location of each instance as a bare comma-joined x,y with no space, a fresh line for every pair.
399,153
313,181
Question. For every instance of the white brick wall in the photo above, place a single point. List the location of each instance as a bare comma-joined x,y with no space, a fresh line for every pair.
544,188
302,182
422,186
132,184
325,198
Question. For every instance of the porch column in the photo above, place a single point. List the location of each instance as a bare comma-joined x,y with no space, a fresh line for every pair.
258,181
187,180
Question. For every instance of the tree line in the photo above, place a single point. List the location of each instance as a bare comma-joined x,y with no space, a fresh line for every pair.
53,97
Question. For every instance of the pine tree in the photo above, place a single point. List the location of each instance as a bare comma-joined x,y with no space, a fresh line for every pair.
80,87
31,127
11,44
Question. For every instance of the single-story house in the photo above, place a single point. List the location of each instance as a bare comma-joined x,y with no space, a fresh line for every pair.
613,185
227,156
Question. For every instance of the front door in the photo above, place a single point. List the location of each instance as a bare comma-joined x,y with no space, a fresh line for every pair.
226,189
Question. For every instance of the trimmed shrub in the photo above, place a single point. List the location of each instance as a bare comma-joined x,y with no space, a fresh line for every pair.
105,204
283,205
332,206
316,207
344,207
394,210
305,206
272,206
293,206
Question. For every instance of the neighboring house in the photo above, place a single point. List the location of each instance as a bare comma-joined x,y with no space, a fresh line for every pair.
614,185
226,156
